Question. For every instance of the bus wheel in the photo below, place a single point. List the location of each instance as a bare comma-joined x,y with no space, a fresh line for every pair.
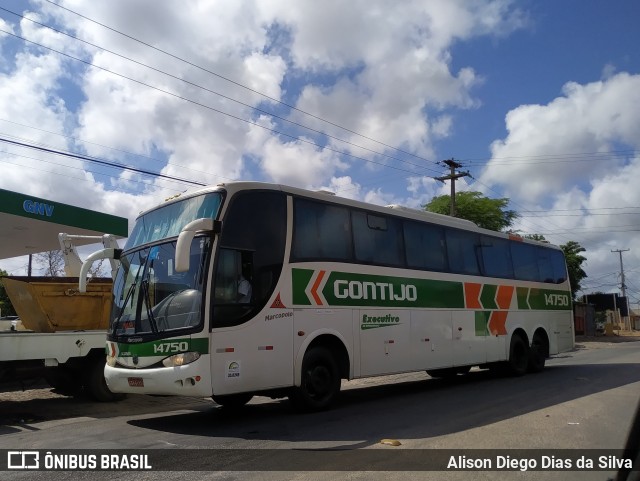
320,384
233,401
538,353
518,356
96,385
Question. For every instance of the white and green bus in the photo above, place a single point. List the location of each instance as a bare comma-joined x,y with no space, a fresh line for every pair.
338,289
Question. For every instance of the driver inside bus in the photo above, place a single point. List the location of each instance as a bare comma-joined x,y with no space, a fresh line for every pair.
244,286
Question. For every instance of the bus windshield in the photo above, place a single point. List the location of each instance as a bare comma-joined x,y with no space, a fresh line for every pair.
151,298
168,220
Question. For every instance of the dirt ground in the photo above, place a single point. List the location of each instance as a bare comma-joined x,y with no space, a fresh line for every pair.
39,403
602,340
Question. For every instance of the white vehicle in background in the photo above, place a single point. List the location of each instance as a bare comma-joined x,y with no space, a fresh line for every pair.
340,289
59,333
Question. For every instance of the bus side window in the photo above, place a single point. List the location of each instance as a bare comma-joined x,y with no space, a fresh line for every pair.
321,231
233,282
525,261
559,266
377,239
226,285
425,246
462,250
496,257
251,247
545,265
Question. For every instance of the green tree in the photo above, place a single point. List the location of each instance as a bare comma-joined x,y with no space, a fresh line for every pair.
572,252
5,304
485,212
535,237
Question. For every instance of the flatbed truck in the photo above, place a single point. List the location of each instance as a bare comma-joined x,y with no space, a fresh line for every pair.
61,333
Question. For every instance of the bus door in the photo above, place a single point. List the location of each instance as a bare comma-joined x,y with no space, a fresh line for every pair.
564,330
431,339
252,349
385,341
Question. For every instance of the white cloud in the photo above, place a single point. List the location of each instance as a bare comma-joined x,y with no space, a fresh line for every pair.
386,72
297,163
343,187
575,158
587,119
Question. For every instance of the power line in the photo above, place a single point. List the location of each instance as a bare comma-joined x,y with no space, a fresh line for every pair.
76,140
175,77
102,162
583,209
587,233
542,216
84,169
518,205
213,73
194,102
575,155
176,57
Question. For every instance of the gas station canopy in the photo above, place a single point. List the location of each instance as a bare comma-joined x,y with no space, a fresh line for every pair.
30,225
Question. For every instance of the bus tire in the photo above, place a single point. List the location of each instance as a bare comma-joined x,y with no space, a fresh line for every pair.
233,401
96,385
538,353
518,362
320,383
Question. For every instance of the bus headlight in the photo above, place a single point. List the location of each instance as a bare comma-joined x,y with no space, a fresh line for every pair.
181,359
111,361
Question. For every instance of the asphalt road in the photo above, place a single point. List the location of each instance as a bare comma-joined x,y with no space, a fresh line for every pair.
583,400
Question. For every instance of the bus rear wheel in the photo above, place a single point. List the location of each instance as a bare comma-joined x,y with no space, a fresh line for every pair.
538,353
320,383
518,362
233,401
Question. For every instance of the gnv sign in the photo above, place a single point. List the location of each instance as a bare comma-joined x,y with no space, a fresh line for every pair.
39,208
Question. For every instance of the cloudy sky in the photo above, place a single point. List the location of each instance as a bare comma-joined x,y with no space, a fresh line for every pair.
540,100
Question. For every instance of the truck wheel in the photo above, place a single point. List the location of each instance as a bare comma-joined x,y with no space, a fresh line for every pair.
63,380
320,383
96,384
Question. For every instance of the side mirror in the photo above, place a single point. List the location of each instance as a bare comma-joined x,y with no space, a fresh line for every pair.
188,232
109,253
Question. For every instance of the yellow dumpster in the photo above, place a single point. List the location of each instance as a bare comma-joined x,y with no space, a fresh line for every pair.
50,304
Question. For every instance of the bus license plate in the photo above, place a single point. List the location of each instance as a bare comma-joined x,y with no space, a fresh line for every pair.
136,381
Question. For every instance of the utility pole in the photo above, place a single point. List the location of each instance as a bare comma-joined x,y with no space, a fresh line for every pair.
623,286
453,176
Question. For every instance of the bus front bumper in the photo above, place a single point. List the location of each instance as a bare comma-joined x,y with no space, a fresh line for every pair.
189,380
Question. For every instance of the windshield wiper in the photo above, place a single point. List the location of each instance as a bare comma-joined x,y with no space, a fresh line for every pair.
130,292
147,302
116,322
